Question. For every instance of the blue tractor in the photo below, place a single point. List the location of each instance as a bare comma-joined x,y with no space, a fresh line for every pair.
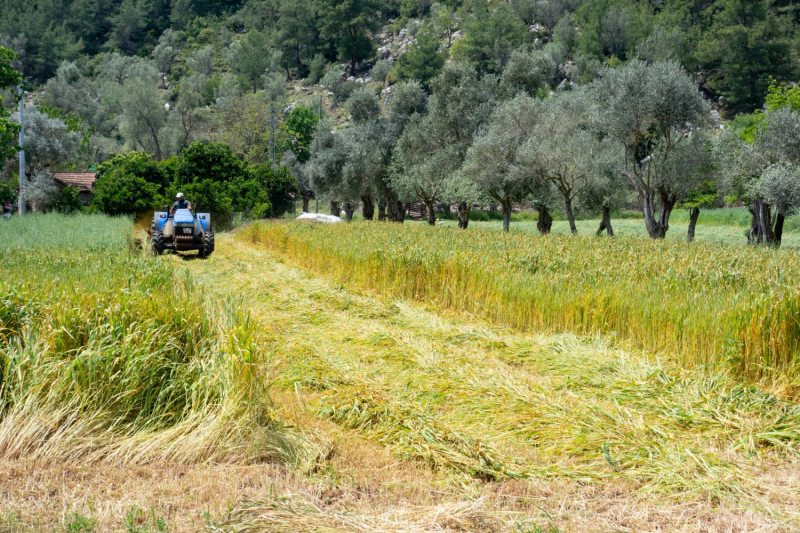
182,231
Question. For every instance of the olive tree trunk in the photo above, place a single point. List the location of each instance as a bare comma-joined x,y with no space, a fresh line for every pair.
506,205
396,209
429,205
349,209
694,214
570,216
762,230
367,207
306,198
657,227
778,231
605,222
545,222
335,209
381,210
464,209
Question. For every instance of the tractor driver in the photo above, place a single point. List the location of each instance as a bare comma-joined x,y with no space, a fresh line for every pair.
180,203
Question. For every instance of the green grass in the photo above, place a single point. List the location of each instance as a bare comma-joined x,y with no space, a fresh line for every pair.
108,354
725,226
77,232
705,303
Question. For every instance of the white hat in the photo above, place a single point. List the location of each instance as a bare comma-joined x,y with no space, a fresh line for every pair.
180,195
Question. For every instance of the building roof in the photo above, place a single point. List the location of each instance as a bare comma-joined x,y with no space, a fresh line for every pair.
82,180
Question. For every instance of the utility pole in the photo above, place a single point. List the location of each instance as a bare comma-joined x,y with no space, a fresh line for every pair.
21,200
272,133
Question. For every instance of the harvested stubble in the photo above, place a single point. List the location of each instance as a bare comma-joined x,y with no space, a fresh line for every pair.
108,355
707,304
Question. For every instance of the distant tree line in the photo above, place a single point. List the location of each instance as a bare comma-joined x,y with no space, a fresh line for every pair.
640,134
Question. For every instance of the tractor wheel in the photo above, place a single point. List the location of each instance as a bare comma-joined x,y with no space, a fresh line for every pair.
208,244
157,243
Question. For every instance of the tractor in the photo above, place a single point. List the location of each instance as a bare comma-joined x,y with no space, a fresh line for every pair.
182,231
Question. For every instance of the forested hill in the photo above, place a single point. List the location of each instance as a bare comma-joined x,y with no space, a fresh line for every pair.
732,46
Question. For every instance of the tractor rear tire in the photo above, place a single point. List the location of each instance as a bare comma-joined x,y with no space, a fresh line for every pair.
208,244
157,243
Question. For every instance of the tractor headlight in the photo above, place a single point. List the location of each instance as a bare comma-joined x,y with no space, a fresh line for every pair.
187,230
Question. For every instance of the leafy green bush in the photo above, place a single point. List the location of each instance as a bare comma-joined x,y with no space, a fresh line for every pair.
68,200
129,184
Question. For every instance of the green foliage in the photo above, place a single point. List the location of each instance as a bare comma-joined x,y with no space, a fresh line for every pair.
129,184
8,130
301,124
422,61
76,522
346,25
68,200
205,172
278,187
746,44
490,36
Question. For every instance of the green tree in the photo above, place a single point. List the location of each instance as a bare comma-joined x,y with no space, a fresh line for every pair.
129,24
251,57
8,129
490,36
279,186
297,35
301,124
206,172
650,111
432,147
128,184
422,61
347,24
746,45
527,72
68,200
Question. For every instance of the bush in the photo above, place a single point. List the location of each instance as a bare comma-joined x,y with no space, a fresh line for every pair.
129,184
206,172
68,200
279,187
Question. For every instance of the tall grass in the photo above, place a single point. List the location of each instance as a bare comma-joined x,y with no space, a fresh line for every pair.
106,354
706,303
53,230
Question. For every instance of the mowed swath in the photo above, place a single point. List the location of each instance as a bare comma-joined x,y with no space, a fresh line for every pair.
704,303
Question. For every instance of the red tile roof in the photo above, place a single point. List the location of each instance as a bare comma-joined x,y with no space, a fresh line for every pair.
81,180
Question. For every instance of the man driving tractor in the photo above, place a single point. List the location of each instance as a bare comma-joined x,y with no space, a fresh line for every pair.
180,203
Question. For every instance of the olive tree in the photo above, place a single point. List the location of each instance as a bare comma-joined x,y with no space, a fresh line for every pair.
564,146
527,72
778,187
432,148
761,170
492,162
326,164
300,173
650,110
